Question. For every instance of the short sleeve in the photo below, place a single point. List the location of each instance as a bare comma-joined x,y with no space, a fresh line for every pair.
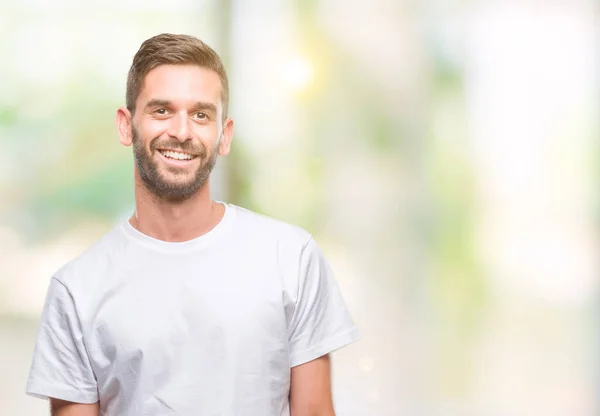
320,323
61,368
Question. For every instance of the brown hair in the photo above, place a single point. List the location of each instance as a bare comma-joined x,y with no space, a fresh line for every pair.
169,49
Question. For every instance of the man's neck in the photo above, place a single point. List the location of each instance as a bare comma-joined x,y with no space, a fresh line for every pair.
175,221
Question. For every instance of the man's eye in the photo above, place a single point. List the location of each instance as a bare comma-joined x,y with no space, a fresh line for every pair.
161,111
201,116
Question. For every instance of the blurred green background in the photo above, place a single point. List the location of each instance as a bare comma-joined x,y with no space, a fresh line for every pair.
443,153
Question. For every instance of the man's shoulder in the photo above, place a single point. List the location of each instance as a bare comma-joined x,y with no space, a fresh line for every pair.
262,226
92,260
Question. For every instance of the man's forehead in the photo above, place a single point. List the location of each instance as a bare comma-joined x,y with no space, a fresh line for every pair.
182,83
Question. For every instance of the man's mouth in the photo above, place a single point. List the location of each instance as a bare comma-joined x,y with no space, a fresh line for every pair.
176,155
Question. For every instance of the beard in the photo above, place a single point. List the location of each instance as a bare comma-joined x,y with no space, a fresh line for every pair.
175,184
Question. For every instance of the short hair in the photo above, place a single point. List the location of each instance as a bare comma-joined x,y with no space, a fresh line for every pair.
170,49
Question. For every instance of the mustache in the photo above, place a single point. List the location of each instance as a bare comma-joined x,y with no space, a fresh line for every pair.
186,147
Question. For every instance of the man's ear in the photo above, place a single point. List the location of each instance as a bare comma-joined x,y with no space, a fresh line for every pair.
124,124
226,137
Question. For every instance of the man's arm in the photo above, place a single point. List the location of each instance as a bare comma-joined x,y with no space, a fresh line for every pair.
64,408
310,389
61,367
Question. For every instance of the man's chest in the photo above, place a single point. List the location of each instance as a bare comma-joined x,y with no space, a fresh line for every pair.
175,322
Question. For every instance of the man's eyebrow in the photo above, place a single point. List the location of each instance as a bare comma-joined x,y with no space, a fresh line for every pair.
158,103
200,105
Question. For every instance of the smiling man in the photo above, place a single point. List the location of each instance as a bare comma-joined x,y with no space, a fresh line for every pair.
191,307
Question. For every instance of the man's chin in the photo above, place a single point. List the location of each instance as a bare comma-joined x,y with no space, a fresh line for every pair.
175,193
173,189
173,184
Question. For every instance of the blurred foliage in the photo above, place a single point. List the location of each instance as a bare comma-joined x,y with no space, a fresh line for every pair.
8,116
458,293
74,172
239,174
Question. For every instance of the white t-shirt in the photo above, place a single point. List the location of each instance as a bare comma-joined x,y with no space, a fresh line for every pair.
205,327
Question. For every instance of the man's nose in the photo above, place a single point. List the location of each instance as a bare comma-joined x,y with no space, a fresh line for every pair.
180,127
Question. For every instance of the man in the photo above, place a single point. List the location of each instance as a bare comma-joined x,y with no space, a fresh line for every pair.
191,307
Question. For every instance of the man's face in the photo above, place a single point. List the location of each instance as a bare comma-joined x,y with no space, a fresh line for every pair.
177,129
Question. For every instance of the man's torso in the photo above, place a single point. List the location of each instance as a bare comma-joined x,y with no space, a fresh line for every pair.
202,332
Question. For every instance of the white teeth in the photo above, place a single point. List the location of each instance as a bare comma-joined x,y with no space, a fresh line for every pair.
176,155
